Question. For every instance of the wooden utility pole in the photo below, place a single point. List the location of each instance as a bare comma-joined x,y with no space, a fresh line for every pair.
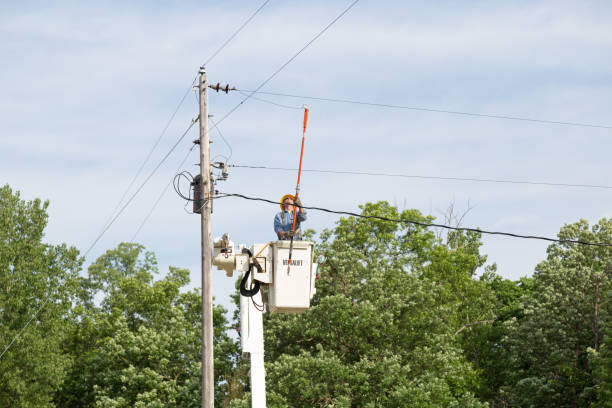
208,382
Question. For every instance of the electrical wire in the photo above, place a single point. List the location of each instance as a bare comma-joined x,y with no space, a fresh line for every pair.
423,109
114,215
164,191
480,180
212,161
222,137
259,307
193,82
235,33
176,183
425,224
272,103
146,160
182,100
108,225
111,222
139,188
25,327
308,44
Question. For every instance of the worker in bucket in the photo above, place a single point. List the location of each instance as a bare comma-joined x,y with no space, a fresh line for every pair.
283,221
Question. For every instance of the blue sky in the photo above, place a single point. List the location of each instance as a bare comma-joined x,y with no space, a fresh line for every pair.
88,87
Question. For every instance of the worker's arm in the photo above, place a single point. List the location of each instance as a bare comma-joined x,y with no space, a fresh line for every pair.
301,215
278,226
298,202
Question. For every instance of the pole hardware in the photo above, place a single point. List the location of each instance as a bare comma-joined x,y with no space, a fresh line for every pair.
225,88
224,167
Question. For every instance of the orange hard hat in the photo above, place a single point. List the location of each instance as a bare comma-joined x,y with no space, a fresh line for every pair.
286,196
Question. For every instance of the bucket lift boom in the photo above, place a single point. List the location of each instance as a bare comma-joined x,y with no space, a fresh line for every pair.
287,292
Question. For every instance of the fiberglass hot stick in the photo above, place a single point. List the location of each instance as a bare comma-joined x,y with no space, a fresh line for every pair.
297,188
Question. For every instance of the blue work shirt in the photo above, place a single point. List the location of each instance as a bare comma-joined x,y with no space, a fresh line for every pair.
283,221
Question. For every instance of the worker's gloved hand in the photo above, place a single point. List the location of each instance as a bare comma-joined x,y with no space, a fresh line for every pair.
290,234
281,234
297,202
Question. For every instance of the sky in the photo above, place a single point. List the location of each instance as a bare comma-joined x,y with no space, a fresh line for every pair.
88,87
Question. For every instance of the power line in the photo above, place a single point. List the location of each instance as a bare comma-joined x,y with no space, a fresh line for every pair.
164,191
105,229
480,180
102,233
272,103
316,37
426,224
231,151
139,188
148,156
146,160
235,33
423,109
114,216
24,327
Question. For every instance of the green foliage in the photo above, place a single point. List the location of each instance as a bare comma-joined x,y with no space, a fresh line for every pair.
548,347
602,363
141,346
483,343
382,329
399,319
32,275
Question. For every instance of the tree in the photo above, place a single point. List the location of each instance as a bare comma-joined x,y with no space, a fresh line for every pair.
383,328
37,284
483,343
602,362
562,320
140,345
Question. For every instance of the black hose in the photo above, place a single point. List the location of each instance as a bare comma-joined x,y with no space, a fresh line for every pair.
255,288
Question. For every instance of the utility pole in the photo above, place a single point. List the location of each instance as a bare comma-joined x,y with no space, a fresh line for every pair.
208,383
